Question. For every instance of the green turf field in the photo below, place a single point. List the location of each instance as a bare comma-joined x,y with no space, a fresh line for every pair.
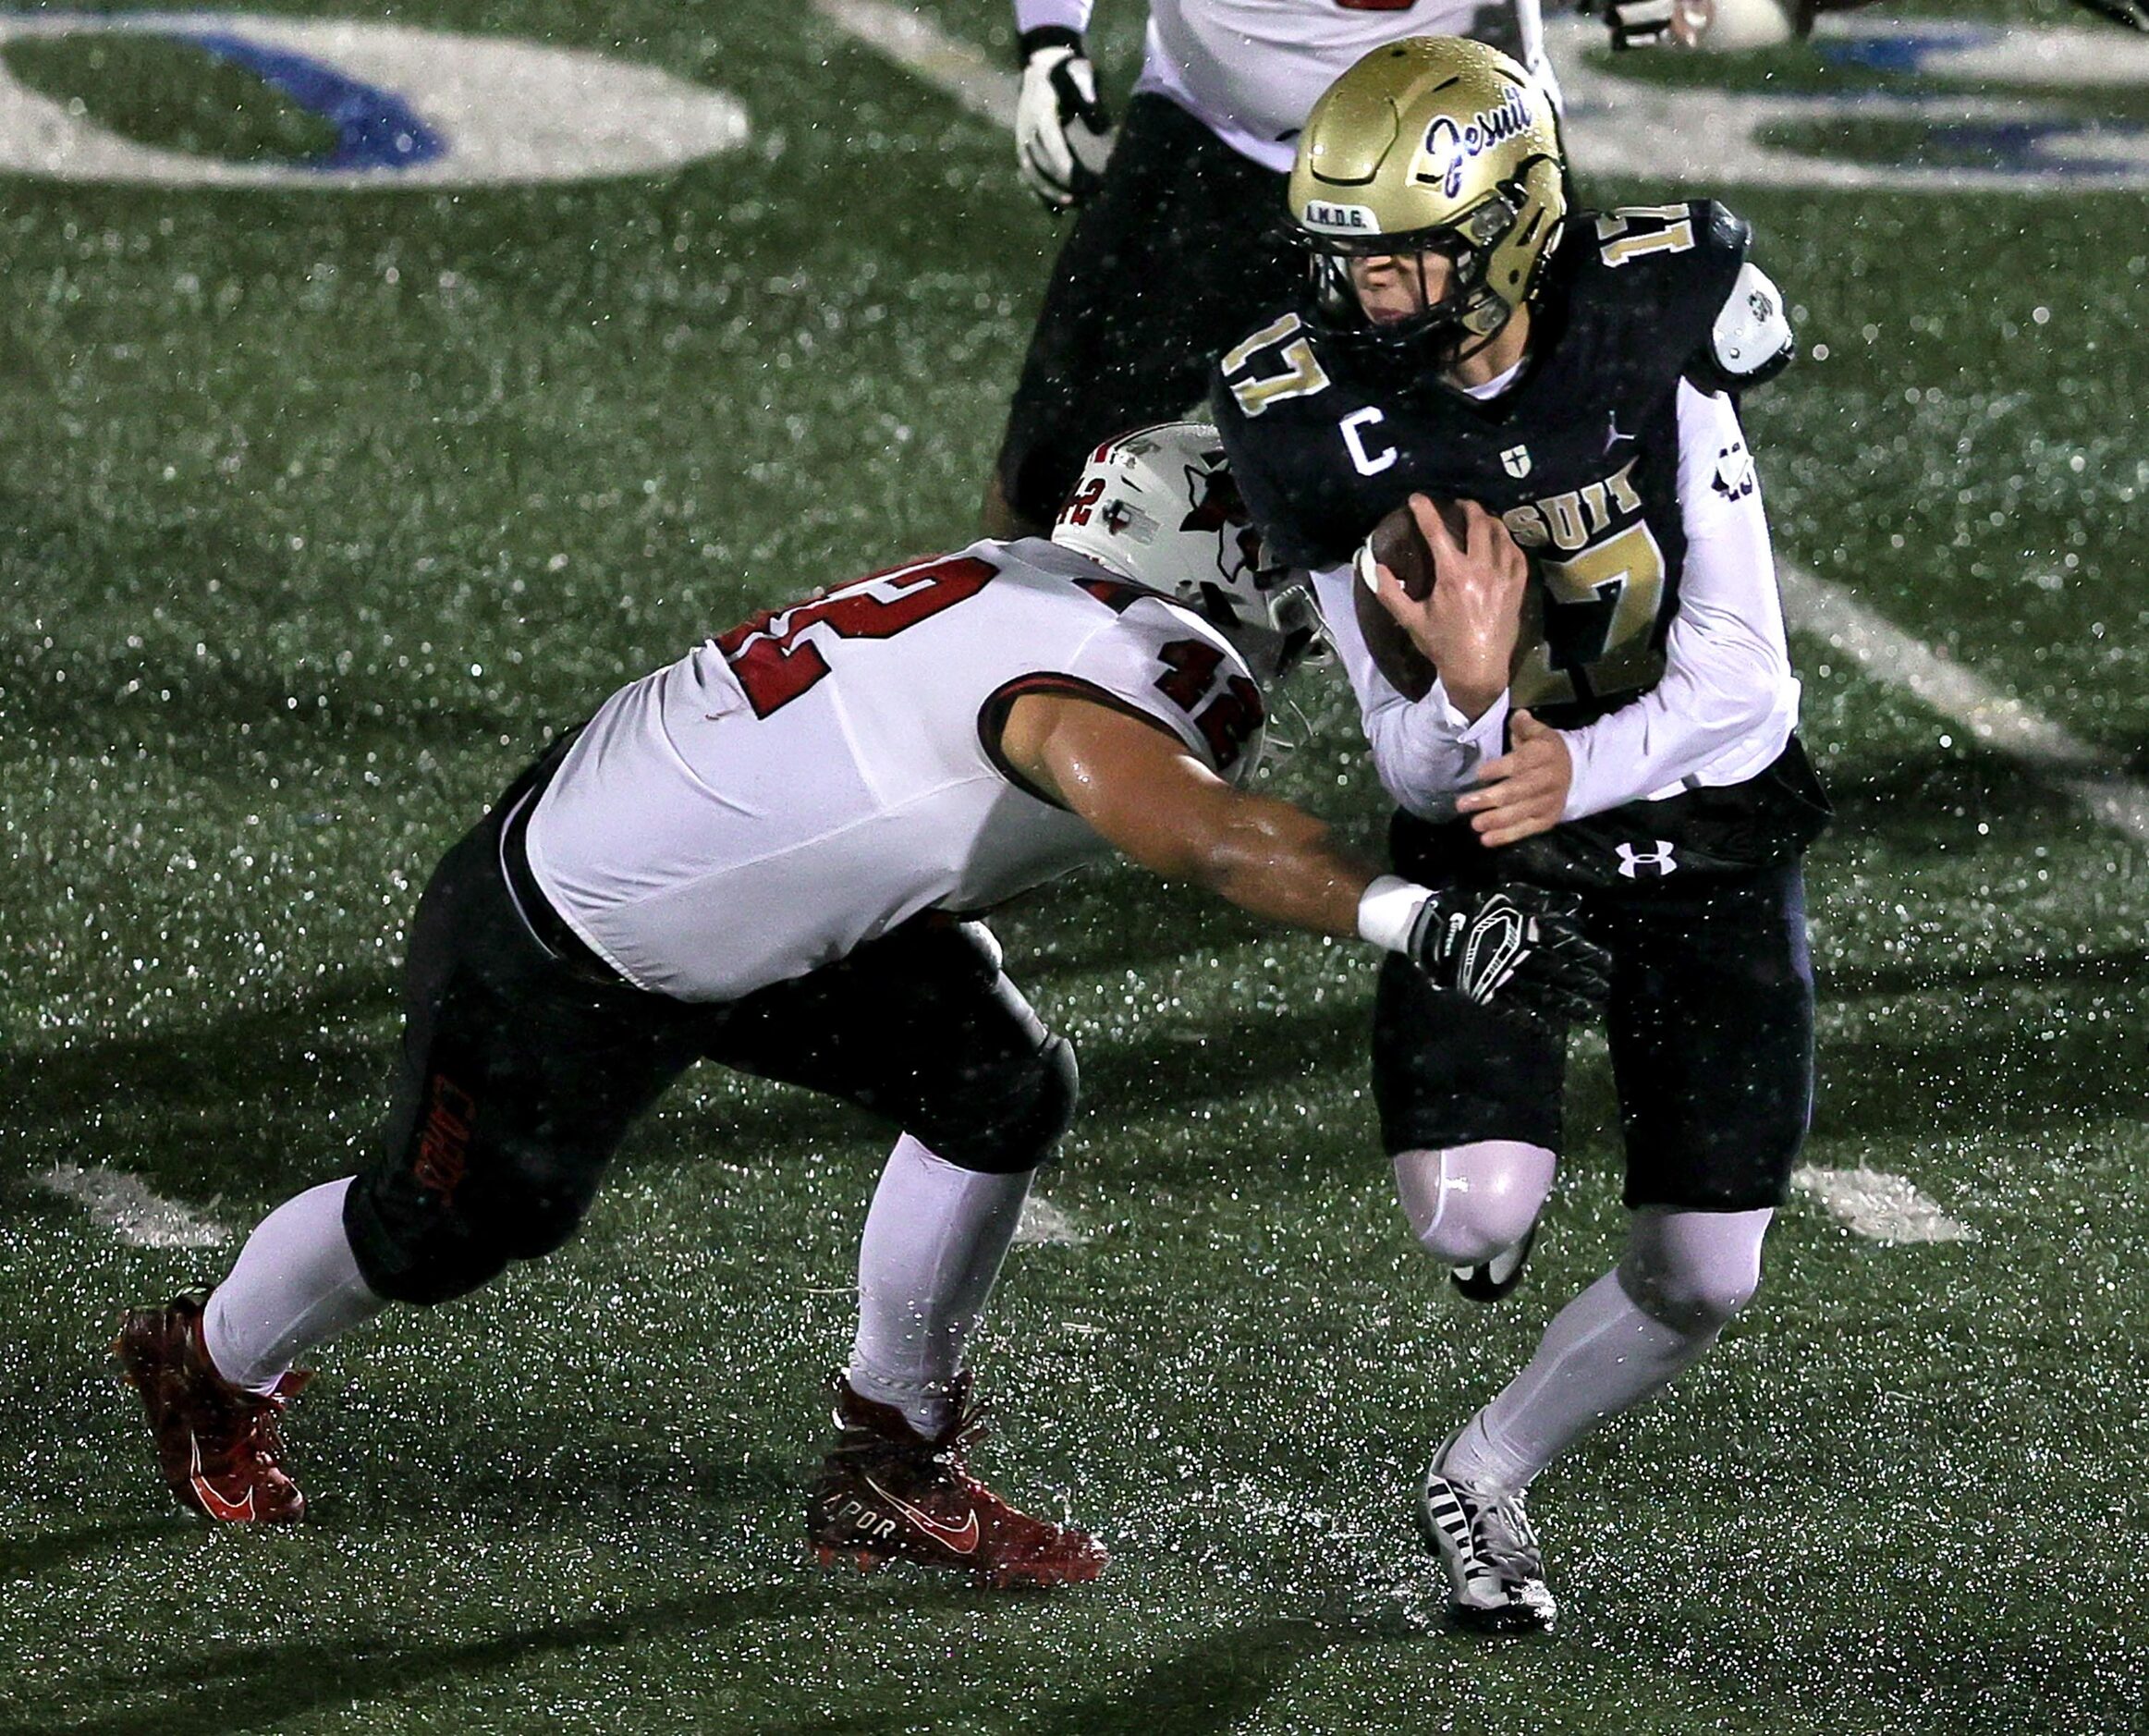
318,507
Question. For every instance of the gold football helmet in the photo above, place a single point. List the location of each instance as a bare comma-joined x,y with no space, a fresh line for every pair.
1439,145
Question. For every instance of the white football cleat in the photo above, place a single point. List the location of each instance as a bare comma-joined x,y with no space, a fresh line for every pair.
1496,1566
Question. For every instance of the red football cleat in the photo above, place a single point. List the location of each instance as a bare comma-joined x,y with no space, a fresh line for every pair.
219,1446
887,1493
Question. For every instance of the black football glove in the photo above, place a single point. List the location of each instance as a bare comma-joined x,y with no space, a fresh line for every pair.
1516,948
1638,23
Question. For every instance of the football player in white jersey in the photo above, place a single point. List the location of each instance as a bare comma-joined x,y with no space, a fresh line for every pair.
1180,242
766,855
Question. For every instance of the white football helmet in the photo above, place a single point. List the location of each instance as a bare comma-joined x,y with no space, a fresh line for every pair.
1158,506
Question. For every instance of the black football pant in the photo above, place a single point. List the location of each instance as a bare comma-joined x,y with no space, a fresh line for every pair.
1181,253
1711,1026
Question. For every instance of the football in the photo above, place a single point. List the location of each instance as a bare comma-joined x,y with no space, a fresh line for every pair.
1398,545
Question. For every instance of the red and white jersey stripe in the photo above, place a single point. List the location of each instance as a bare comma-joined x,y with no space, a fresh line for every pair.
802,783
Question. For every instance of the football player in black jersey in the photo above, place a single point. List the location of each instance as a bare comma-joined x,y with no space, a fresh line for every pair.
1595,694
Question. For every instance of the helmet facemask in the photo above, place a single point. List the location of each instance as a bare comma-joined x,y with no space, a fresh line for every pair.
1467,314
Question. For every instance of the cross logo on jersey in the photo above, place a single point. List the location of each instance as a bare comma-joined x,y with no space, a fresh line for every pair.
1516,461
1652,864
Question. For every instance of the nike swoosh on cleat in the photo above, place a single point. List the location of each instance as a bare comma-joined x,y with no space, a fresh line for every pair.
214,1504
962,1538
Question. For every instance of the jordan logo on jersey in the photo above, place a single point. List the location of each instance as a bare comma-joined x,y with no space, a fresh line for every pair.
1652,864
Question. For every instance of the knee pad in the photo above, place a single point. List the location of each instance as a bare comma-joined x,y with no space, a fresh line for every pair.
1015,1112
537,1215
1470,1202
1693,1270
414,1244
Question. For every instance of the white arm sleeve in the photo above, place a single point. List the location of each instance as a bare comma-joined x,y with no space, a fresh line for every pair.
1071,15
1727,701
1426,752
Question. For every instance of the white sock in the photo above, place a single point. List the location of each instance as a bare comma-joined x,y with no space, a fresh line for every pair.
933,1245
296,1285
1601,1355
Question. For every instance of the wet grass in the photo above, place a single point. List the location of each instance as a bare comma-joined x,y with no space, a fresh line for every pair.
298,564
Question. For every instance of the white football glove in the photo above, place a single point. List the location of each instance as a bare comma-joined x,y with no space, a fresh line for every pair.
1062,133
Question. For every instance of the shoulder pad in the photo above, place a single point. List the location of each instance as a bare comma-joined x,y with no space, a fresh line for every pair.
1750,340
1682,273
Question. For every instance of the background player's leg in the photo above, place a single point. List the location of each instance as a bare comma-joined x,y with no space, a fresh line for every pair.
934,1240
1174,261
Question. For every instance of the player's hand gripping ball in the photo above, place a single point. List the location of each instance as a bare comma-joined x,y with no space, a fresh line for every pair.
1455,596
1398,545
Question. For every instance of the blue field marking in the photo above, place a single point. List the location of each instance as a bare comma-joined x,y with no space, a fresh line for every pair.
1905,53
374,129
2025,147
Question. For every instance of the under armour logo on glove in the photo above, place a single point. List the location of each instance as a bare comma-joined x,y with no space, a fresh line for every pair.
1516,948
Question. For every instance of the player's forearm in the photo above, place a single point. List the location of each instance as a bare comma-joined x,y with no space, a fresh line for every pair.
1276,861
1727,693
1426,753
1684,726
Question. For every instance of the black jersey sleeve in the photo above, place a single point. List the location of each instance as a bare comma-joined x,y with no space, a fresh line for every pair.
1276,459
1694,305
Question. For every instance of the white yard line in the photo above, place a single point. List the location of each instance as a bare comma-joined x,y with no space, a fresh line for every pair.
1879,1205
975,79
127,1207
1811,604
1989,716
